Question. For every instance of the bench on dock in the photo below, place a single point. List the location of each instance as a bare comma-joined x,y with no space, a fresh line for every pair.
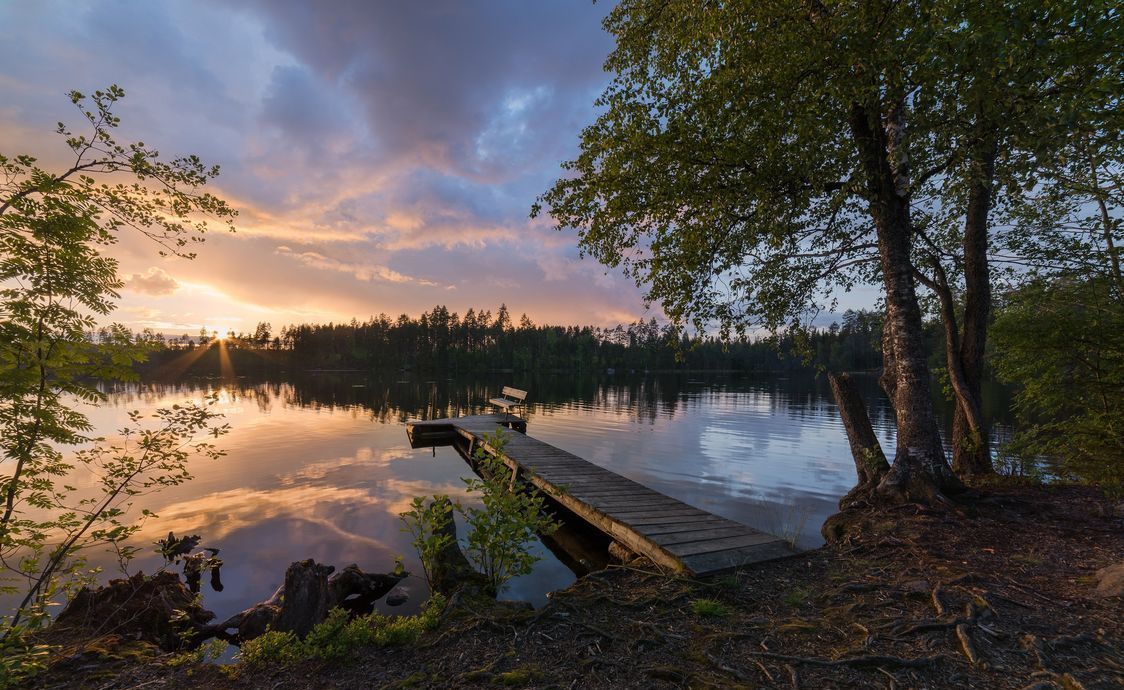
509,398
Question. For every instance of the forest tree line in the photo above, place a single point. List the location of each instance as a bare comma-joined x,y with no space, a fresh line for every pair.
478,341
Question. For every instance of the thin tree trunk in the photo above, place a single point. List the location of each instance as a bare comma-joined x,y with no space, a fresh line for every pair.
1106,225
971,451
870,462
920,471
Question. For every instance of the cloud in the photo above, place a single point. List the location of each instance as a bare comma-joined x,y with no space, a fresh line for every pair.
153,282
435,80
360,271
383,156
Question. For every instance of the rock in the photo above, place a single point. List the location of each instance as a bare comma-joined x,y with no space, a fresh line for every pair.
1110,581
397,597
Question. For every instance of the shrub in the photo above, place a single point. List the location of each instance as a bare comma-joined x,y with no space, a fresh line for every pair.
339,637
709,608
498,534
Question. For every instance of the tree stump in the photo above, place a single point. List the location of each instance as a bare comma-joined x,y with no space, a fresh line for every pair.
308,597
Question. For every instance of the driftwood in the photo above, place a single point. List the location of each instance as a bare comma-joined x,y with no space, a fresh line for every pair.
305,600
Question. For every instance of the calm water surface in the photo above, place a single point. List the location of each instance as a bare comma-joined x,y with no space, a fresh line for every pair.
320,467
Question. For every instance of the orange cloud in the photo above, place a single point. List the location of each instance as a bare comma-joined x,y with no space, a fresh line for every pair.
154,282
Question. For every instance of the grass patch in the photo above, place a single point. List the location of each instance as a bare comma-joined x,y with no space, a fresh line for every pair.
518,676
1028,558
206,652
796,597
709,608
339,637
731,582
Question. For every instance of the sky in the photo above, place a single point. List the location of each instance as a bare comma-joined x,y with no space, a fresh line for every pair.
383,155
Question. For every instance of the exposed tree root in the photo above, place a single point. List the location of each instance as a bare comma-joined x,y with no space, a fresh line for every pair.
856,661
966,644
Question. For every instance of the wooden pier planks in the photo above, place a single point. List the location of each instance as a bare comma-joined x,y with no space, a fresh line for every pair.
668,531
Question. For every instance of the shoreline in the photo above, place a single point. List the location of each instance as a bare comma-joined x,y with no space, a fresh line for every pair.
890,606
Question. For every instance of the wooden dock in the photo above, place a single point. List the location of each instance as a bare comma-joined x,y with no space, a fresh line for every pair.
670,532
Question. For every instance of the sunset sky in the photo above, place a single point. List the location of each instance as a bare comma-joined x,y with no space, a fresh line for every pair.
383,156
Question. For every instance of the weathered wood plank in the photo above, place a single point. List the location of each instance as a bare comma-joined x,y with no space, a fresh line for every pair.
610,490
685,537
652,529
571,477
589,495
614,504
719,561
639,522
630,515
724,544
559,462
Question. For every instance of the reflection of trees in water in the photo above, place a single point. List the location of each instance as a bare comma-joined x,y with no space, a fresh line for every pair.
647,398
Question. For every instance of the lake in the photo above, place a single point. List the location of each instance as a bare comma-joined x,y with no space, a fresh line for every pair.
319,466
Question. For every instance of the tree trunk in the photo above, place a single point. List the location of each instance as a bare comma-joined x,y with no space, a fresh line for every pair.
920,471
870,462
971,451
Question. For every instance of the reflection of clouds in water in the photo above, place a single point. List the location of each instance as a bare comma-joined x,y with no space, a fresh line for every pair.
365,457
219,514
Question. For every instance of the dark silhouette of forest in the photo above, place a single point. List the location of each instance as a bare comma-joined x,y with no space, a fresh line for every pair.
480,341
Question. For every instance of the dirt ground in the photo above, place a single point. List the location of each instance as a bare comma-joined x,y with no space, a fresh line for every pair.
997,593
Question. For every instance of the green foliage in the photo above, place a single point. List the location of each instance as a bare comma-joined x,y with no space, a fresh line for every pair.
55,283
498,534
339,637
207,652
19,660
709,608
272,647
427,524
727,173
796,597
46,548
1058,329
1060,341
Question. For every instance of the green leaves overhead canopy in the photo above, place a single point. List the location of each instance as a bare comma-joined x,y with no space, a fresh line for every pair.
722,173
